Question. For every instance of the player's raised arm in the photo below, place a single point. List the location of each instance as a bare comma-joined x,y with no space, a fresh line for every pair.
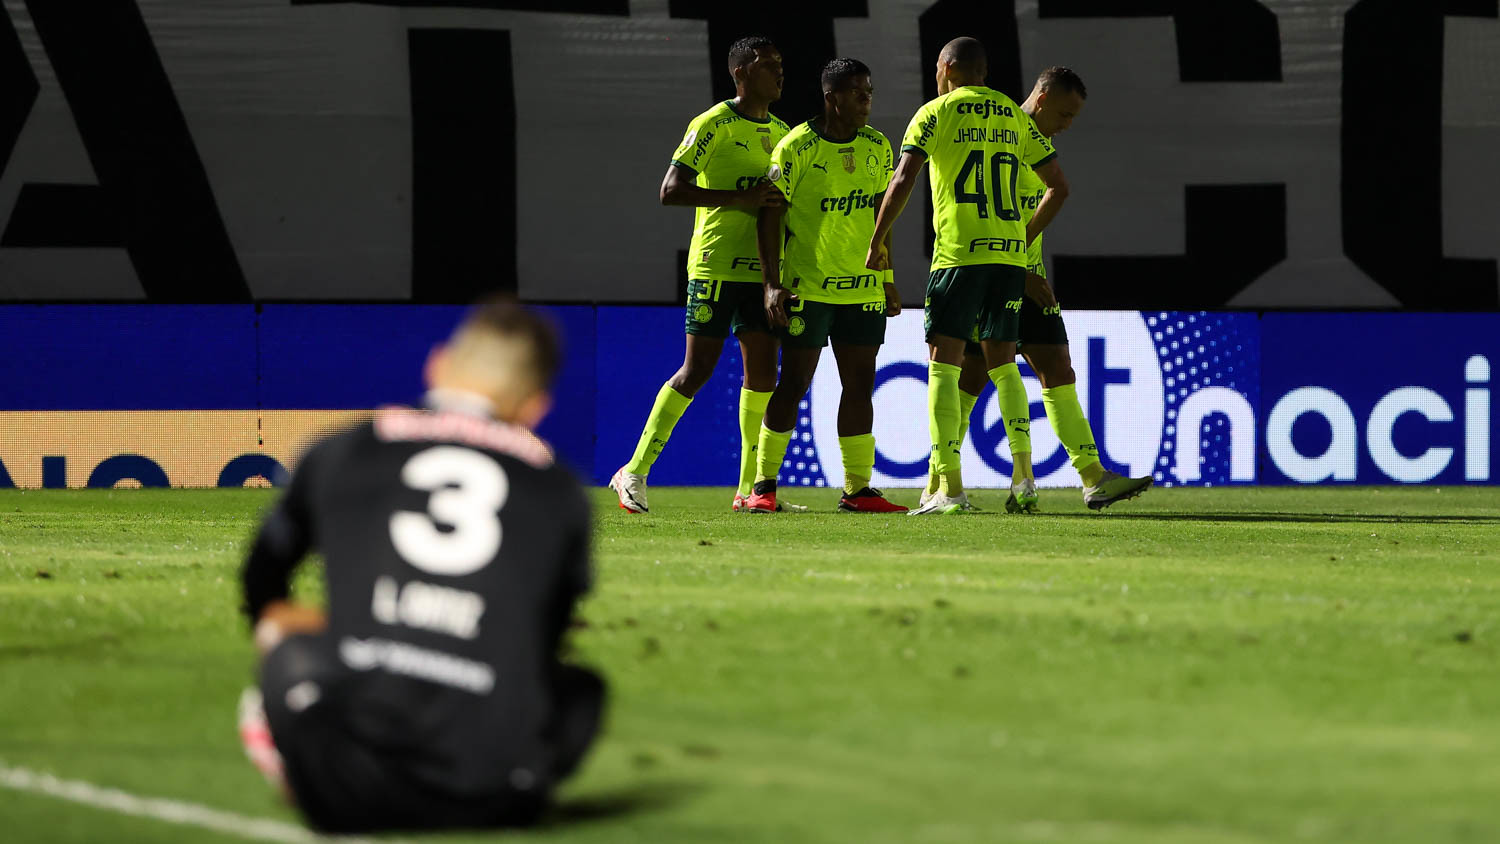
1052,176
903,182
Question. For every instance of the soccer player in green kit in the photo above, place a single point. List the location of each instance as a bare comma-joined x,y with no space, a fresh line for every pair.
719,170
977,141
1055,100
831,172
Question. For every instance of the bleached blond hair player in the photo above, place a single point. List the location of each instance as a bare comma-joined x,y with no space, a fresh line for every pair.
430,694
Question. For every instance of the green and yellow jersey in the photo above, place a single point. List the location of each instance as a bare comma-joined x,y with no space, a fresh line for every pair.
1029,192
832,189
976,141
725,150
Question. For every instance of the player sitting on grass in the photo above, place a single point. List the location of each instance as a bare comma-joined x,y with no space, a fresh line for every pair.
831,171
976,140
431,694
1055,101
718,170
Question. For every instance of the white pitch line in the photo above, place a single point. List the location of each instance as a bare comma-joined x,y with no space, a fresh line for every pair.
169,811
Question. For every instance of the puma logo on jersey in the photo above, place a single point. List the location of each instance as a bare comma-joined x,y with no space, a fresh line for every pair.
821,167
742,144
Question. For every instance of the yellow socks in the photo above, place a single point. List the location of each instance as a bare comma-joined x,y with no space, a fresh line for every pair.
1016,411
859,461
669,408
752,411
966,402
943,412
771,451
1072,428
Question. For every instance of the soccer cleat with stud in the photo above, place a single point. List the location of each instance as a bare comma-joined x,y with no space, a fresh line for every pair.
761,502
631,489
868,500
946,505
740,505
1113,487
762,498
1023,497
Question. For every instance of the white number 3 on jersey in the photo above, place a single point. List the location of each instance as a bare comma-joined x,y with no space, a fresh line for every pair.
468,489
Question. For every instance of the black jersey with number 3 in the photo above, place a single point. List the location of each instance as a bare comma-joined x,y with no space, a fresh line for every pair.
455,549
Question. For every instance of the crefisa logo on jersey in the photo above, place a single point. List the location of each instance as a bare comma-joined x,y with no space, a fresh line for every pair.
1120,386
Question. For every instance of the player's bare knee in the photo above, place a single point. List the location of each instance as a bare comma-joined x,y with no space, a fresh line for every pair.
694,373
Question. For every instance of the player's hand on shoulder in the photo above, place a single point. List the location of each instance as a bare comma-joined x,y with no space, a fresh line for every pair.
892,300
763,195
777,299
1039,290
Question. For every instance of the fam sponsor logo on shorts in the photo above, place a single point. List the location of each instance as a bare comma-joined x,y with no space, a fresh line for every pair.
1119,384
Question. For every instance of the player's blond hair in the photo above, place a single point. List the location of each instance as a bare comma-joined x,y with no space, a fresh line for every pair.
504,350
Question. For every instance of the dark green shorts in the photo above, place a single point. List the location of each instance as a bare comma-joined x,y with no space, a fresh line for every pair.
812,324
722,308
987,294
1039,326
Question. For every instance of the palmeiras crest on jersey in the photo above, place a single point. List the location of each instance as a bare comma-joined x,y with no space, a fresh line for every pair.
872,165
765,139
847,153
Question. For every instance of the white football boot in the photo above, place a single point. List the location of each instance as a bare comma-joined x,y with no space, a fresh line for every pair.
946,505
1112,488
631,489
1023,497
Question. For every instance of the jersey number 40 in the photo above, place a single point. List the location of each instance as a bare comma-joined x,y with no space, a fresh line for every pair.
1004,200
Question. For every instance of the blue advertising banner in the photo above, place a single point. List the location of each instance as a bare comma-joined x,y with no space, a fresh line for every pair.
127,357
222,395
639,349
1378,398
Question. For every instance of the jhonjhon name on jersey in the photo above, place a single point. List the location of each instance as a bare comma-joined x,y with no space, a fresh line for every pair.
976,140
832,190
1029,192
726,150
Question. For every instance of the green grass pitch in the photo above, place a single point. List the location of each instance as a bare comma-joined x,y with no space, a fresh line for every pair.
1225,665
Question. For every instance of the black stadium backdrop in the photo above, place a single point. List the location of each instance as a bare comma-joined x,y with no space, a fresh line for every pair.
1233,154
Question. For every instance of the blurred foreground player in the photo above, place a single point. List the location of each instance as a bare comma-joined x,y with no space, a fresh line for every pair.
431,695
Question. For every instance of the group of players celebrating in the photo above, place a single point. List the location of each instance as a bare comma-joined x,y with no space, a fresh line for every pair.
791,250
431,693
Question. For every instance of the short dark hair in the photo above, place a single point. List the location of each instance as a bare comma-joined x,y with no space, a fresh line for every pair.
838,72
1059,78
540,352
967,53
742,52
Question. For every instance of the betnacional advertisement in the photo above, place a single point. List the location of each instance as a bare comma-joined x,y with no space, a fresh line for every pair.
205,396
